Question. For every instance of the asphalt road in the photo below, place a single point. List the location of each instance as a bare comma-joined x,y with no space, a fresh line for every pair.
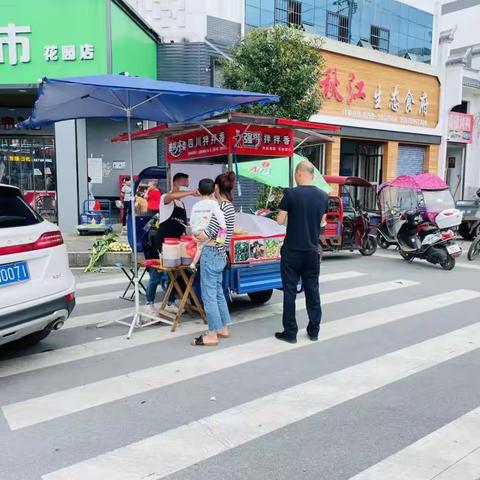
391,391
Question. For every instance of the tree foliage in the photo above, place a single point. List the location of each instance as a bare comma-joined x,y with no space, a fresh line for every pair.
282,61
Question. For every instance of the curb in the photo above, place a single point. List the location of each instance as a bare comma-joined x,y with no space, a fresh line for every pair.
81,259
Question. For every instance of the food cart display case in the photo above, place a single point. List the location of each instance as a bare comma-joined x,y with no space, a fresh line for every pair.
254,267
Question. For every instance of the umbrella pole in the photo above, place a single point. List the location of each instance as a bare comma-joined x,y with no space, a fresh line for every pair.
137,316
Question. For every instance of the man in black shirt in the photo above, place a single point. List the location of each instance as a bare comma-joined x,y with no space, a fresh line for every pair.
303,209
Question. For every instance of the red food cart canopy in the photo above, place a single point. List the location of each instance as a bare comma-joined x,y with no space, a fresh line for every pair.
235,133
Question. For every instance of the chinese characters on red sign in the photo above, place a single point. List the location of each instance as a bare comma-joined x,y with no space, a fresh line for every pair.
233,138
197,144
460,127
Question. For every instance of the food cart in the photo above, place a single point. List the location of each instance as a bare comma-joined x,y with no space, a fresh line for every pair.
254,265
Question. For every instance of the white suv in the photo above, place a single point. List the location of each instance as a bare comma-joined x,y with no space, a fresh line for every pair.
36,285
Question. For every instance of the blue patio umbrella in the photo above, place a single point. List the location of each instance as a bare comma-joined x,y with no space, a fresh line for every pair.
120,97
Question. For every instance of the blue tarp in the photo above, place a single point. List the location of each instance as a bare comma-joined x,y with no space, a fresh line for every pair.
111,96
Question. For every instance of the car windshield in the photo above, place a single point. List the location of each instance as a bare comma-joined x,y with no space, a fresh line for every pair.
438,200
14,212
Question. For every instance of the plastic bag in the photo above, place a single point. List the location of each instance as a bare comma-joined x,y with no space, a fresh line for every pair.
191,248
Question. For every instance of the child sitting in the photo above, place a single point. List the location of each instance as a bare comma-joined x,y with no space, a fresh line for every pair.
201,215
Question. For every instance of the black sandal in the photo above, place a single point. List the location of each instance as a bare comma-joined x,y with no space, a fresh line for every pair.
198,342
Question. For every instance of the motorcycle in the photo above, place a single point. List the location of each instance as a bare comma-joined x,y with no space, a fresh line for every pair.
434,244
418,214
384,239
349,225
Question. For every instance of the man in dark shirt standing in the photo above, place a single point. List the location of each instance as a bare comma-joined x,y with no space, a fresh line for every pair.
303,209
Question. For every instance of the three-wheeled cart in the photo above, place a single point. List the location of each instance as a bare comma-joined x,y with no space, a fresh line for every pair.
96,221
254,267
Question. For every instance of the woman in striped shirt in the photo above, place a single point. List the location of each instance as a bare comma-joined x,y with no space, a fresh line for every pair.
212,264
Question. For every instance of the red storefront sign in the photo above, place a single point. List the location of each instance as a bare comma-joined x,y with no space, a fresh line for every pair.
231,138
460,127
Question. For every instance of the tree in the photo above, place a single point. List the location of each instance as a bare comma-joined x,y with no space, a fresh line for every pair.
282,61
279,60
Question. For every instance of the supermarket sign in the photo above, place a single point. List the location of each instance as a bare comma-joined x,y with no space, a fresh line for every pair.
460,127
53,38
232,138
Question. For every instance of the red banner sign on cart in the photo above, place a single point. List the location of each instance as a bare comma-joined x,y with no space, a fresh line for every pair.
233,138
262,140
197,144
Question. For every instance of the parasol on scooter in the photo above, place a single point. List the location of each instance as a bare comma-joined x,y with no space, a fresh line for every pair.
418,215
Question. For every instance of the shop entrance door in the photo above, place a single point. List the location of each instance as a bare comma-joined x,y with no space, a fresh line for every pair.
362,159
456,169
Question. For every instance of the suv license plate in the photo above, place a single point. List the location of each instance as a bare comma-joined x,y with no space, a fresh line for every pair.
13,273
451,249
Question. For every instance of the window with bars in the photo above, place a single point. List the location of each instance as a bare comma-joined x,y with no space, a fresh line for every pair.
380,38
338,27
289,12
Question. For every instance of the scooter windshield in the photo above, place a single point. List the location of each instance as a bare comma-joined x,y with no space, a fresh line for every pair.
394,203
438,200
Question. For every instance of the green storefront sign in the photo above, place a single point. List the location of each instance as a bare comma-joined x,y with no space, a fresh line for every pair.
59,38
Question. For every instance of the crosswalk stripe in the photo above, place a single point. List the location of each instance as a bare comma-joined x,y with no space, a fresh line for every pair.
99,297
451,452
332,277
94,318
467,468
181,447
91,319
395,256
102,283
40,409
157,334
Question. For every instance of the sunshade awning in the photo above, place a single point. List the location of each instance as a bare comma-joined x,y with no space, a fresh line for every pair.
118,96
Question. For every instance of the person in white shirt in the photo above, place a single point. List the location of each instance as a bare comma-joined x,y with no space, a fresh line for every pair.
91,197
201,214
127,199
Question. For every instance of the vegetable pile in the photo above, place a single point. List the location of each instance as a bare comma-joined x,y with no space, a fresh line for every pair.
99,249
119,247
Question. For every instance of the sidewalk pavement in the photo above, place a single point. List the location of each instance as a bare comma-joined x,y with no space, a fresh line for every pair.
79,248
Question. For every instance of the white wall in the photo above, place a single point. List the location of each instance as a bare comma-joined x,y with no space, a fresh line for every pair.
176,20
472,167
467,26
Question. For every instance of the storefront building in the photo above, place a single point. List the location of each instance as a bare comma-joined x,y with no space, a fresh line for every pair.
388,109
54,38
459,56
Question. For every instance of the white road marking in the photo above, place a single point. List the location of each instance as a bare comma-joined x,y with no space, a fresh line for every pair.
40,409
94,318
452,452
100,297
114,344
396,256
85,320
332,277
179,448
105,282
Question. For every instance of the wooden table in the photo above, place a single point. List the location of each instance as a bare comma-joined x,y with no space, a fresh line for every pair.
189,301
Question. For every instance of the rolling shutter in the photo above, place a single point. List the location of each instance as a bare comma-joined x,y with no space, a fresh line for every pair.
411,159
